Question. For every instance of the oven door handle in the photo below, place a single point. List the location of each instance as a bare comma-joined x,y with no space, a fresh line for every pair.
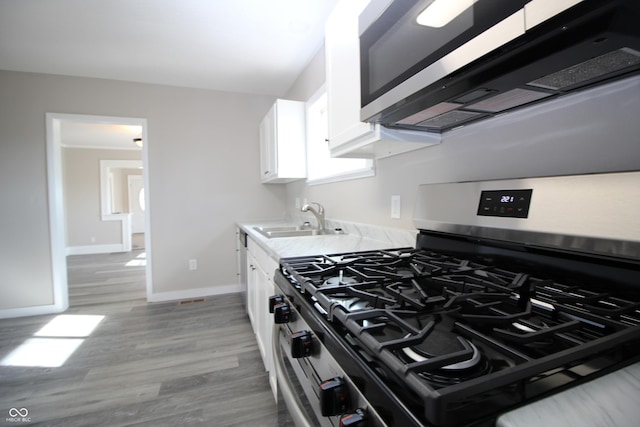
284,385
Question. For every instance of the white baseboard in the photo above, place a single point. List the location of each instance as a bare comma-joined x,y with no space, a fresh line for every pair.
155,297
9,313
95,249
193,293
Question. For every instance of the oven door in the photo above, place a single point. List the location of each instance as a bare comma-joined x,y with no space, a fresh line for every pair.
300,378
291,391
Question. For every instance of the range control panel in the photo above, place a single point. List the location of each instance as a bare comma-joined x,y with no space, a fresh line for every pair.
505,203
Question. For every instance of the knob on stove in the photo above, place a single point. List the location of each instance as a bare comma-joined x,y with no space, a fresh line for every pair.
355,419
333,397
275,300
301,344
282,313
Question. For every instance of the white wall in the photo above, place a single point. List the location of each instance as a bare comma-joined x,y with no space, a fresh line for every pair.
595,131
203,177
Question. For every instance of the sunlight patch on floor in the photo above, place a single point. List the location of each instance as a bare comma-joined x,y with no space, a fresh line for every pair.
43,352
139,261
70,325
55,342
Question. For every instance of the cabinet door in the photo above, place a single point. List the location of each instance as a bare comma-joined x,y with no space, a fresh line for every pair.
348,136
268,331
343,74
268,148
260,288
266,326
252,279
283,143
262,315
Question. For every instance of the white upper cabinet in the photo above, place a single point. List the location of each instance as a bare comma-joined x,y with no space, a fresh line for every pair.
348,136
282,143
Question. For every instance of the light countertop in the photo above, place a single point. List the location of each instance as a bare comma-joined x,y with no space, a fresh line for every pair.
609,401
357,237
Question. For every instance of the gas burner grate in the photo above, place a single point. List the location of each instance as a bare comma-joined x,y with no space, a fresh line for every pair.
459,334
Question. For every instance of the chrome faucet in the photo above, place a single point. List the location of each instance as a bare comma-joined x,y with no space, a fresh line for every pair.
318,213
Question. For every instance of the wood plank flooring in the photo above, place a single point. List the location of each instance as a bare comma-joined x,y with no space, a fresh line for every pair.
164,364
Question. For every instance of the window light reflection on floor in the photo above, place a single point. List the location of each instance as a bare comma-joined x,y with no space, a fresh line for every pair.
54,343
70,325
139,261
42,352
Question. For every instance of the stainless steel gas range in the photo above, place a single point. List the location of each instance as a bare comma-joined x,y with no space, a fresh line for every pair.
516,290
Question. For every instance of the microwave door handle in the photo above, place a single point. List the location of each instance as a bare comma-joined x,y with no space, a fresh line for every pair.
284,385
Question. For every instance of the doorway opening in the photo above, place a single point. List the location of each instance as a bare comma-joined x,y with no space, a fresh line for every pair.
60,129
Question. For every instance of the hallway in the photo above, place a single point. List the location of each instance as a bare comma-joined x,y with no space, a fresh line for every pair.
115,278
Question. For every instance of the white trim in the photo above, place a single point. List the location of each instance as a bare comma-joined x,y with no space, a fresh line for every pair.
56,221
362,173
147,211
37,310
194,293
100,147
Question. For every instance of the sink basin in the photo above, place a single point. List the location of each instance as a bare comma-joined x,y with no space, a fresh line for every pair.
294,231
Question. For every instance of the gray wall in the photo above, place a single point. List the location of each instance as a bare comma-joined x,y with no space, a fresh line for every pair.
203,177
595,131
81,180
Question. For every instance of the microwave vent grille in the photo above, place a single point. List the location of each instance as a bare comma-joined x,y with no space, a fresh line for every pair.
507,100
451,118
593,68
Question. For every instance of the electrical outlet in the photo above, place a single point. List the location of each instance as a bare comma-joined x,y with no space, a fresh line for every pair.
193,264
298,205
395,207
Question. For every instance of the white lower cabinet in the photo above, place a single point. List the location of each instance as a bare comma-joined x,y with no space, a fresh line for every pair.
252,278
260,270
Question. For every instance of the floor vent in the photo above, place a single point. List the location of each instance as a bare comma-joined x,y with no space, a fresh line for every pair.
191,301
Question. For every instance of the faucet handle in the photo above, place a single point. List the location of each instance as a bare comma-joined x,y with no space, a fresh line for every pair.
307,206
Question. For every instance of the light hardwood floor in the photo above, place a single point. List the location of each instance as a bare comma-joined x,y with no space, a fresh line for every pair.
164,364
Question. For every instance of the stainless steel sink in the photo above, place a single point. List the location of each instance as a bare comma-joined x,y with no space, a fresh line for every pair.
294,231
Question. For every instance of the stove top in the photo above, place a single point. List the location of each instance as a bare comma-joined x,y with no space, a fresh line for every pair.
460,338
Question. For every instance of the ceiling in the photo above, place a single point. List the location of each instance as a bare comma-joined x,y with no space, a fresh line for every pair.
76,134
246,46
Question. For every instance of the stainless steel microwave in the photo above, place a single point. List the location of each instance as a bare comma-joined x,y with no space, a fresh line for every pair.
434,65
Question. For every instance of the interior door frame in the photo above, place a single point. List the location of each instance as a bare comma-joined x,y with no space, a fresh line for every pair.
57,229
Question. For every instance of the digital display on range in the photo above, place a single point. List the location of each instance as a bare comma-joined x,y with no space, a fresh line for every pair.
505,203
